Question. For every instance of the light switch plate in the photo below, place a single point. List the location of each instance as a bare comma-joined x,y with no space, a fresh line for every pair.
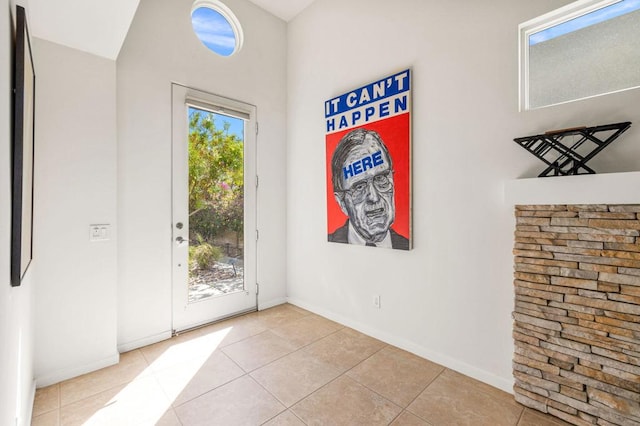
99,232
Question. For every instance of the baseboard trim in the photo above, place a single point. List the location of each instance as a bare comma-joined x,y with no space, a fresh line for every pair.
271,303
69,373
444,360
145,341
28,412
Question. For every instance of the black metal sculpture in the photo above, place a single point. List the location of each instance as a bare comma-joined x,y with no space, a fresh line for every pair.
567,151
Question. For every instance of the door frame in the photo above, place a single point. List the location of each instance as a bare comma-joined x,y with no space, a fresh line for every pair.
213,308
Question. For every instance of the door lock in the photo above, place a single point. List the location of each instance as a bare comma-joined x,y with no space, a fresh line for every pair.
179,225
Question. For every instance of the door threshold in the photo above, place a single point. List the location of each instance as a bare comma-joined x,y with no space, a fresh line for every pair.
175,333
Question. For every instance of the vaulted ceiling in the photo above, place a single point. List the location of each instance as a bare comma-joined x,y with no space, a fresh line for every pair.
100,27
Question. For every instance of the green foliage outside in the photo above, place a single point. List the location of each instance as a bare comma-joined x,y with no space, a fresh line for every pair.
203,255
216,180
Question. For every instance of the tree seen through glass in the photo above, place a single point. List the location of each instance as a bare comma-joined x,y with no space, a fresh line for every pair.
216,204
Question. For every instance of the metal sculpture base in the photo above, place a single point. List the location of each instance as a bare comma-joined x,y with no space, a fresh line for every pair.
567,151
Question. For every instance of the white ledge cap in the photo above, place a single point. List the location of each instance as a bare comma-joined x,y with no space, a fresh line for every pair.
606,188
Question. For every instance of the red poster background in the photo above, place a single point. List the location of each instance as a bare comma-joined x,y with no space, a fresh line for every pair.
395,132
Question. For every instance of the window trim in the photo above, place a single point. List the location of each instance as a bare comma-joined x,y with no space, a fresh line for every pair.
214,108
541,23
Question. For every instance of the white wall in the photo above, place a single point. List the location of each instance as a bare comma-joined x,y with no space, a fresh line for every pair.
450,299
161,48
16,330
75,186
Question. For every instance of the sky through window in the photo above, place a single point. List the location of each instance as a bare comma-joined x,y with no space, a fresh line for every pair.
214,30
613,11
236,125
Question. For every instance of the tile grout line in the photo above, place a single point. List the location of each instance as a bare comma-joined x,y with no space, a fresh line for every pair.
520,416
362,384
376,392
421,392
219,386
144,356
161,388
344,373
177,417
287,354
120,383
425,388
248,373
305,396
245,339
288,408
411,414
396,417
297,417
385,345
271,418
272,395
341,374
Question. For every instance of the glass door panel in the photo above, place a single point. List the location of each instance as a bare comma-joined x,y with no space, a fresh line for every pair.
216,204
213,208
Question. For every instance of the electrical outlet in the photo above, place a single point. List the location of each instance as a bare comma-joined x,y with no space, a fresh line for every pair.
376,301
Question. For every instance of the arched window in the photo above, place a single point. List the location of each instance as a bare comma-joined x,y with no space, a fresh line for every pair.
217,27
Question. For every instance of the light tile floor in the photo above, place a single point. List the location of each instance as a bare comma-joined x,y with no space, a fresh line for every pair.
281,366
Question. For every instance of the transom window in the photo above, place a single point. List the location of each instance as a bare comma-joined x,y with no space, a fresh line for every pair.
585,49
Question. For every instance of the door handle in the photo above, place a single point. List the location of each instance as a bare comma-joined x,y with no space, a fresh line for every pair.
180,241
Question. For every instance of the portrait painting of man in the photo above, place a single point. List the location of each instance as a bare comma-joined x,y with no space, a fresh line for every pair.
368,165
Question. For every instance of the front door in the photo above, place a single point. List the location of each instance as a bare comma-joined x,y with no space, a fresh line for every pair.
214,207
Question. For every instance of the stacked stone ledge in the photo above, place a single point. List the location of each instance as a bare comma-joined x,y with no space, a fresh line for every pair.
577,312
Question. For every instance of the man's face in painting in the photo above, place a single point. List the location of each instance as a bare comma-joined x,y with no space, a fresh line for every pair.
368,189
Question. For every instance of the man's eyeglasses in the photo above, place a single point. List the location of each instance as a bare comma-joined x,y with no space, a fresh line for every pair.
382,181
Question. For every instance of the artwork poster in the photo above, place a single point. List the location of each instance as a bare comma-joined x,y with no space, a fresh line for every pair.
368,194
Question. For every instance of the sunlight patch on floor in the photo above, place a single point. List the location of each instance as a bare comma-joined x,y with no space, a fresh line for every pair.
144,399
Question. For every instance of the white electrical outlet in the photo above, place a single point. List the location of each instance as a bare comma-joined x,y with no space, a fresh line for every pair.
376,301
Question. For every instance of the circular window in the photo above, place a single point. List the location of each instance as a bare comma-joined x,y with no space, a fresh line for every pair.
216,26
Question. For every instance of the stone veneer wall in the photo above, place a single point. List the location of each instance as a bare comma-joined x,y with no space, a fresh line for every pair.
577,312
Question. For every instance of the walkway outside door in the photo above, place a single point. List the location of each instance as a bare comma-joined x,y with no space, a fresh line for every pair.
214,207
